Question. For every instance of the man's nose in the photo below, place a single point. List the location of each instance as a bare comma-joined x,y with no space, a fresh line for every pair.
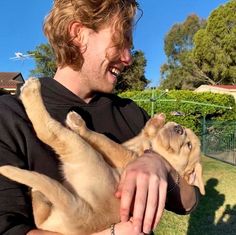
126,57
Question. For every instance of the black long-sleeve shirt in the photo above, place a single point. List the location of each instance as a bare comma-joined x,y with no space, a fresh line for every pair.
119,119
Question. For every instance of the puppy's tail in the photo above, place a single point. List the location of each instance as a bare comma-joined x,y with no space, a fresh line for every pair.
54,191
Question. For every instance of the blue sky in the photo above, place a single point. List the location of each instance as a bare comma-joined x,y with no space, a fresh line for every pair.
21,29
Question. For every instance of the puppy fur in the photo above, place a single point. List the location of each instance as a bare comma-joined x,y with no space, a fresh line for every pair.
85,203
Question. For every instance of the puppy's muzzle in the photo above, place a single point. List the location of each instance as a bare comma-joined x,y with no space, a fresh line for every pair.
179,129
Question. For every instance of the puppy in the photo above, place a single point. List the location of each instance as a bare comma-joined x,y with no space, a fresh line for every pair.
73,208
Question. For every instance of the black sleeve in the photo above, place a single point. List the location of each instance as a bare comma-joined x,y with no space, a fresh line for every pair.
174,202
15,202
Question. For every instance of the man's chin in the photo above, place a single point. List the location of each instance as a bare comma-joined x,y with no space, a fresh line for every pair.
107,90
110,88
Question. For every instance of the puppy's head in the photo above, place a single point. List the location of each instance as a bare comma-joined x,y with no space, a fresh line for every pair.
181,148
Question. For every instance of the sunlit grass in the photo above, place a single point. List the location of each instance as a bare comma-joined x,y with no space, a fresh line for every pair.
216,212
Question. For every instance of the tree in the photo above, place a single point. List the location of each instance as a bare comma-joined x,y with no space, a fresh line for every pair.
179,71
44,60
215,46
132,78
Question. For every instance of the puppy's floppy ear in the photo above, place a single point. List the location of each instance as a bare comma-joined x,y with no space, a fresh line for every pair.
195,178
154,124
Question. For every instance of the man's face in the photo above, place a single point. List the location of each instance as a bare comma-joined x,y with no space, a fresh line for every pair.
103,62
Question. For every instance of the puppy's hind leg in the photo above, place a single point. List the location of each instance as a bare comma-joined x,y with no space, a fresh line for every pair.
114,153
41,207
54,191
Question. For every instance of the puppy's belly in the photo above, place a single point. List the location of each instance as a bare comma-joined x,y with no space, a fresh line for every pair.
91,182
95,185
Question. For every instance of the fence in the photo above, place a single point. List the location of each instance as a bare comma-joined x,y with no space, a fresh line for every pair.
219,140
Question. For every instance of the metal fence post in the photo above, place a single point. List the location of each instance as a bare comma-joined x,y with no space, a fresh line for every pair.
204,134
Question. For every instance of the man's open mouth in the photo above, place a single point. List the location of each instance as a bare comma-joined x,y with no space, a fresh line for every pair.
115,72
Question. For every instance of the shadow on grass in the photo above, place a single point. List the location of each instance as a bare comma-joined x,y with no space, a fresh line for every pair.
202,220
227,222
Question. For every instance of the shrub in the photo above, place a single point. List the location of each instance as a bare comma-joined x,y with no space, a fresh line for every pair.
185,107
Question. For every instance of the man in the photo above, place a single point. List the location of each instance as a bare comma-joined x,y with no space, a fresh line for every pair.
91,40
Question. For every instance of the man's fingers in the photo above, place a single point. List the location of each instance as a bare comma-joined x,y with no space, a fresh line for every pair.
140,201
127,194
145,181
152,205
161,202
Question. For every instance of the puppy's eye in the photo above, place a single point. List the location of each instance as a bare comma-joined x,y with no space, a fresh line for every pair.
189,144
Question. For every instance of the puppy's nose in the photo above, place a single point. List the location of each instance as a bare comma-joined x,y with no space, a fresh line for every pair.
179,129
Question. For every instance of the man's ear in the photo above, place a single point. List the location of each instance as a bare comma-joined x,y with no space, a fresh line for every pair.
79,34
196,178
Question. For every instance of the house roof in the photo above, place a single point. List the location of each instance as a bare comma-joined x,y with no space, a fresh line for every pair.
228,88
10,79
225,86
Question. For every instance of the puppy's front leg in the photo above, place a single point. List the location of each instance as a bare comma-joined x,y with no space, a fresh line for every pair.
144,140
114,153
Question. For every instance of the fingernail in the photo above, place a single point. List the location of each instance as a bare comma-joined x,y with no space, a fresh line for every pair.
146,230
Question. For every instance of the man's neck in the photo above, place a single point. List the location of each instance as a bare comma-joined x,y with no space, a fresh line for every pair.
72,80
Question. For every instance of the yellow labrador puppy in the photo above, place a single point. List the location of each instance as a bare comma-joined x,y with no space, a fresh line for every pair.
95,161
177,144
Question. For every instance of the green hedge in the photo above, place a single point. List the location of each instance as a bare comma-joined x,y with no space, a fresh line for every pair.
191,105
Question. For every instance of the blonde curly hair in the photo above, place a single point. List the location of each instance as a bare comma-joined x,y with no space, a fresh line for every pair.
93,14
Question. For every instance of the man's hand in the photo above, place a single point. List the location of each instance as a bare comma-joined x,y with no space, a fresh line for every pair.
144,183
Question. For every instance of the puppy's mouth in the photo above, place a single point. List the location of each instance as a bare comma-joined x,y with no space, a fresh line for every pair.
177,138
172,137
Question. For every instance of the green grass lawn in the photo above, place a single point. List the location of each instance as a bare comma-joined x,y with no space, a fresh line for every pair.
216,212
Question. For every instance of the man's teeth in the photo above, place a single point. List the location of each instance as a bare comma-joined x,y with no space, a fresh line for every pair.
115,72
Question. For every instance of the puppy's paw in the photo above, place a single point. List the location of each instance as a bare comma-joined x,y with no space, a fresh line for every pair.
155,124
157,121
31,88
160,118
75,122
